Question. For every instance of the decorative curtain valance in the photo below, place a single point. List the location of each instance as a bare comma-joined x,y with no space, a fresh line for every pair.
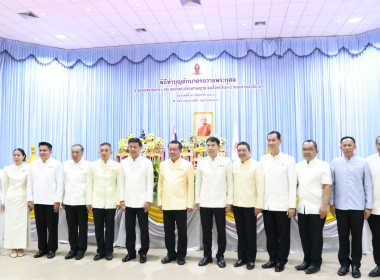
329,46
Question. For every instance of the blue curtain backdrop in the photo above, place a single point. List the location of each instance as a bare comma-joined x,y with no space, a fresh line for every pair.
313,88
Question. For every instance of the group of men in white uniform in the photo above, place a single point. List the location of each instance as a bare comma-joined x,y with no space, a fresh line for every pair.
351,186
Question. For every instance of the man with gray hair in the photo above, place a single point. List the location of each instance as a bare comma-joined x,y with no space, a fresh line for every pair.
74,201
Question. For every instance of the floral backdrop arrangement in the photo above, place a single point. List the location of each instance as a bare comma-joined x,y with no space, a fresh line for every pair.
150,142
197,145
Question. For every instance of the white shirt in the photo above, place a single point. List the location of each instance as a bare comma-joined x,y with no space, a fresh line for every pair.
280,182
311,178
374,166
136,182
74,182
102,184
45,184
14,181
214,182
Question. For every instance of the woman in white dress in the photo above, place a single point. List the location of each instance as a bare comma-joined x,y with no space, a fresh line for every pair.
15,206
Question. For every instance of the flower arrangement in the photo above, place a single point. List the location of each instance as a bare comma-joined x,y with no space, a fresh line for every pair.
201,149
129,136
186,146
150,146
201,141
143,140
222,141
158,142
123,144
192,138
150,137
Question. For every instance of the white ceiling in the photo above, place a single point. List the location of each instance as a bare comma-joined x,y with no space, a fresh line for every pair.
99,23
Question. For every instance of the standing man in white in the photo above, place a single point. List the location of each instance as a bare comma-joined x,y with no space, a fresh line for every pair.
74,201
314,191
14,204
136,196
103,199
374,219
279,201
44,195
214,196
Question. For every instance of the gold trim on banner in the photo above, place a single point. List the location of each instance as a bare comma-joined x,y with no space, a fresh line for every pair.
156,214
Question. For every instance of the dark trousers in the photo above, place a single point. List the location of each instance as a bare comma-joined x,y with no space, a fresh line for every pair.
206,221
130,229
374,224
171,218
350,221
77,218
104,217
245,220
311,232
277,230
47,227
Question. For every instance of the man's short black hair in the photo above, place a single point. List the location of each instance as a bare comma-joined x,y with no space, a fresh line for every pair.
275,132
176,142
245,144
377,139
50,147
213,139
311,141
135,140
106,144
348,137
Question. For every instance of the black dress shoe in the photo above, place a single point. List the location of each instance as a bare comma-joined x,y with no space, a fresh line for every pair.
279,267
312,269
205,261
109,257
39,254
220,261
143,258
356,272
79,256
128,257
167,260
375,272
269,264
99,256
250,265
181,261
343,270
240,263
50,254
70,255
302,266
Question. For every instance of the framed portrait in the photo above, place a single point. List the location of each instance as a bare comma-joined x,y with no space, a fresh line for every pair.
203,124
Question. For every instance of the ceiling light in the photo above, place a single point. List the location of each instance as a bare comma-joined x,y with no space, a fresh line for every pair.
187,3
338,21
199,26
88,10
42,14
60,36
291,22
138,5
140,30
113,32
260,23
154,29
244,24
354,20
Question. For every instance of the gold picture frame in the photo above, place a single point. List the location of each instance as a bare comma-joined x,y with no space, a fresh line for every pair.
208,124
